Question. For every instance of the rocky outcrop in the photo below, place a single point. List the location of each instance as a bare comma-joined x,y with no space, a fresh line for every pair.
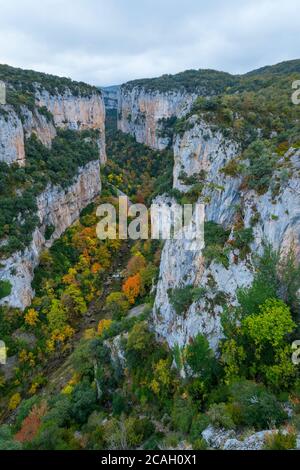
229,440
202,150
180,267
199,149
279,216
142,113
223,439
58,208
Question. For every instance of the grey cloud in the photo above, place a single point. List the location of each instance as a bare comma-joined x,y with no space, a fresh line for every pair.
112,41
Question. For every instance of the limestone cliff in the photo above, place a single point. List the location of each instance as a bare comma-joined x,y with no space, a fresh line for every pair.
147,107
63,110
58,208
77,113
215,129
278,223
141,112
11,136
42,104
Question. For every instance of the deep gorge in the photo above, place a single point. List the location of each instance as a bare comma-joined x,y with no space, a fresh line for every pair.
165,344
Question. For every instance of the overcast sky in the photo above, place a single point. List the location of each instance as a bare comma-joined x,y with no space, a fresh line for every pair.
108,42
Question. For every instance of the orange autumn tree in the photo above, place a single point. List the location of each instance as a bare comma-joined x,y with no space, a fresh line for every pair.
95,268
132,288
31,424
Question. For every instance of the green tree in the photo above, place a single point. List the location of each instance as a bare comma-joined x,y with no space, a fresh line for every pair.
73,301
267,332
57,315
117,304
5,289
200,357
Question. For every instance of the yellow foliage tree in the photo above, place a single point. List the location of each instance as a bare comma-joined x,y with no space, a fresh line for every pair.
27,357
70,278
14,401
103,325
31,317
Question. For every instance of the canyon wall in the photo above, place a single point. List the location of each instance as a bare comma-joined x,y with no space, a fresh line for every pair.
278,224
111,96
76,113
66,111
141,113
57,207
11,136
203,149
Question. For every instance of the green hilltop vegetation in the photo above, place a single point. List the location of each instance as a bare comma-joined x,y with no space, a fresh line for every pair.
288,66
26,80
215,82
22,85
256,107
207,81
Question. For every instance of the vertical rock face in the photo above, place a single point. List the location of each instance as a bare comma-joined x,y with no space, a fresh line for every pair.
111,96
198,149
140,113
77,113
36,123
72,106
11,136
68,112
279,221
59,209
203,151
200,154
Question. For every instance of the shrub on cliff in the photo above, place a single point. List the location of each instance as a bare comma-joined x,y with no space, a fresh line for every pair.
220,416
182,414
201,359
281,441
261,166
182,297
5,289
256,407
257,346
